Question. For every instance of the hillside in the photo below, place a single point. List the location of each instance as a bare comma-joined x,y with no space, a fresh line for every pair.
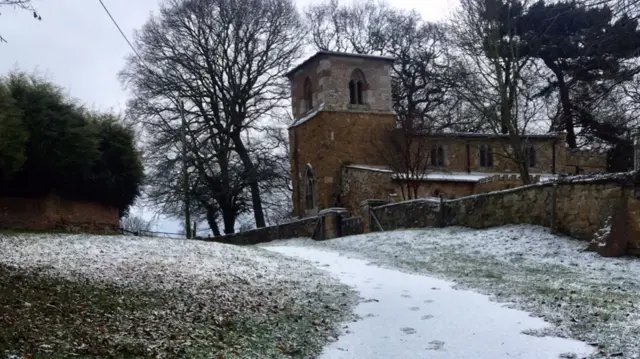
129,297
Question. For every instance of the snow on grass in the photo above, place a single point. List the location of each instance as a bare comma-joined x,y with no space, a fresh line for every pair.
587,297
412,316
131,297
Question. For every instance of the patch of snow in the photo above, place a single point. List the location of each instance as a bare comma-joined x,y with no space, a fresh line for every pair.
140,261
600,237
585,296
371,168
472,177
307,117
406,315
444,176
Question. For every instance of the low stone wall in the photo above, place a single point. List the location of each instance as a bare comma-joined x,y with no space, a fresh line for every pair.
585,161
300,228
409,214
362,183
501,182
53,213
576,206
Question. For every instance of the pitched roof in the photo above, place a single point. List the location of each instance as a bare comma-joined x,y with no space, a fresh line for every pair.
545,136
338,54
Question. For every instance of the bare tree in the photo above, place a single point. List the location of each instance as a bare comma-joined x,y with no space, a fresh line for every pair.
421,84
135,224
493,69
20,4
226,60
278,188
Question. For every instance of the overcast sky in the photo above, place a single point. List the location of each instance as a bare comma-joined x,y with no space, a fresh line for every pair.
77,46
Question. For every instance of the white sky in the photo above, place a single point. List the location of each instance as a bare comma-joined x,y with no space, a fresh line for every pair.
77,46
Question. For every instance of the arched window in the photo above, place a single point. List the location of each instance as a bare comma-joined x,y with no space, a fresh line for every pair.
437,156
357,86
486,156
308,95
531,156
309,189
440,156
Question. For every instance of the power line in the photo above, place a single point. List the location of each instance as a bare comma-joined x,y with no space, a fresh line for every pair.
119,29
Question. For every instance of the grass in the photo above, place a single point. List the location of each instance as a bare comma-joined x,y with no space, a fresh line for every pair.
596,304
45,316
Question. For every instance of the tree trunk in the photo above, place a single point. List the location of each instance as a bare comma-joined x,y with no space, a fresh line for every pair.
523,165
253,181
567,118
211,220
565,100
229,220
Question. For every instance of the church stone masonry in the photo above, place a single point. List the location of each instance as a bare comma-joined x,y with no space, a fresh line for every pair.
343,113
342,106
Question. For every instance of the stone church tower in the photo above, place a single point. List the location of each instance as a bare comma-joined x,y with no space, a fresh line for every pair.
343,111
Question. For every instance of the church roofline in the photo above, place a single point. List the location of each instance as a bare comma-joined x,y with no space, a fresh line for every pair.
338,54
546,136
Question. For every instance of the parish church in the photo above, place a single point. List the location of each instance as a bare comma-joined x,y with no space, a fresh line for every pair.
342,106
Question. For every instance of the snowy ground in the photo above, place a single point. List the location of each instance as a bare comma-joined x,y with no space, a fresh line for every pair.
412,316
586,297
126,297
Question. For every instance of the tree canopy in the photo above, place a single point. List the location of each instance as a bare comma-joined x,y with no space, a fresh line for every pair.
50,145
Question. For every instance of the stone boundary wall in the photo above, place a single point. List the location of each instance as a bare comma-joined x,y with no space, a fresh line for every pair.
577,206
53,213
585,160
501,182
300,228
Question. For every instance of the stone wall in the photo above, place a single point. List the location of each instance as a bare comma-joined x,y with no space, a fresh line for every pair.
585,161
582,206
53,213
462,152
359,183
447,189
302,228
329,141
408,214
501,182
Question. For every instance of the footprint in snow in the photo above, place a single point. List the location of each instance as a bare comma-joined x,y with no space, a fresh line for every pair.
435,345
370,315
405,295
407,330
428,301
414,309
425,317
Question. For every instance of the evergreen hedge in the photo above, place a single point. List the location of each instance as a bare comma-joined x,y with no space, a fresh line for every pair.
50,145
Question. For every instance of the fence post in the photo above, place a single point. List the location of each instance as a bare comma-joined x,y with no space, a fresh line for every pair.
554,208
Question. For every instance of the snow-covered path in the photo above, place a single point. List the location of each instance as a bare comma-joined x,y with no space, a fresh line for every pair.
413,316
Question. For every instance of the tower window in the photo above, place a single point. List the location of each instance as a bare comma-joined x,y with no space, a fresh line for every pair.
357,86
308,95
486,156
